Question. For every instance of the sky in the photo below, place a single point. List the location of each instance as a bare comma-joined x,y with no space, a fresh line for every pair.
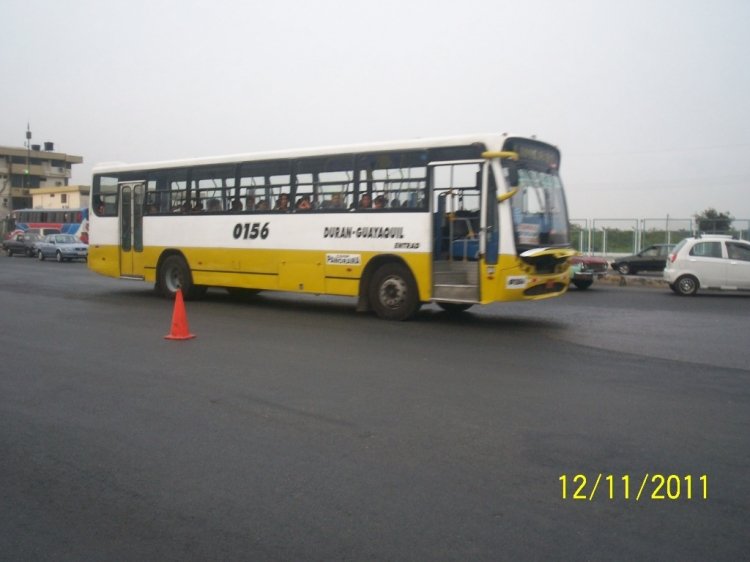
648,101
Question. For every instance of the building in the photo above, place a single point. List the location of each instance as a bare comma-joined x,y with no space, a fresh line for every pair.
68,197
24,170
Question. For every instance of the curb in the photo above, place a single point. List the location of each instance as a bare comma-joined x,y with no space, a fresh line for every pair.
632,281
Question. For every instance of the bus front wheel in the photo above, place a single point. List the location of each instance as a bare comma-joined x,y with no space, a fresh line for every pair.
174,274
393,292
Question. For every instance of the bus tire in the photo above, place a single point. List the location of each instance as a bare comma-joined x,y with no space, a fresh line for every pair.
393,292
174,274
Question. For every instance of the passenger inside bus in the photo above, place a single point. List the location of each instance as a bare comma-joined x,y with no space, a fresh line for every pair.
303,203
365,202
282,204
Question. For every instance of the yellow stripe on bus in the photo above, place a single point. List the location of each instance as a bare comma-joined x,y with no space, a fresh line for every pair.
282,270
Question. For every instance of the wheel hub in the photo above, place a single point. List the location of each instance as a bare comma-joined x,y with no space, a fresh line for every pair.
393,292
173,280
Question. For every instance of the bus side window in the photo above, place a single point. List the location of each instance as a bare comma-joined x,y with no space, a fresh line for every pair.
398,178
216,186
325,183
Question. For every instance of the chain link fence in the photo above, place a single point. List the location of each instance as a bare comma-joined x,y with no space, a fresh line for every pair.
629,236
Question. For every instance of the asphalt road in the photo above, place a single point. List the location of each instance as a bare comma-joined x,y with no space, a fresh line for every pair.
293,428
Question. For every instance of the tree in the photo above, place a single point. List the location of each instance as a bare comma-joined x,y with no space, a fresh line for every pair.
713,221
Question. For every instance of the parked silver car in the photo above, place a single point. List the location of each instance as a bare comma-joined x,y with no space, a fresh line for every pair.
62,247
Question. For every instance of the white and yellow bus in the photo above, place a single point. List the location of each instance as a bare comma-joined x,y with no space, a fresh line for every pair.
456,221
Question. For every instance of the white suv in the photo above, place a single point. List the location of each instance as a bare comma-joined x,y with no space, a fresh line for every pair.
708,262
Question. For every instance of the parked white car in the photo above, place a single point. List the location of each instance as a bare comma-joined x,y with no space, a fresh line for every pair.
709,262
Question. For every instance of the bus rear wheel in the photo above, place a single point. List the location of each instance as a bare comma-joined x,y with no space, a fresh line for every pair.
393,292
174,274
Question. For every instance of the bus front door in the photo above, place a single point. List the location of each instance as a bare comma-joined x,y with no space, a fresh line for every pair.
131,229
457,230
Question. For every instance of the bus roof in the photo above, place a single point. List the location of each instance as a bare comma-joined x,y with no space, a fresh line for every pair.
493,141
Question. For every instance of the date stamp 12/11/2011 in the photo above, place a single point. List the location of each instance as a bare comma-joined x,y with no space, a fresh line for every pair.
649,487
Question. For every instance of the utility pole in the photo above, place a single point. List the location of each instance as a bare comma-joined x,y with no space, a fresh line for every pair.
7,192
27,171
5,189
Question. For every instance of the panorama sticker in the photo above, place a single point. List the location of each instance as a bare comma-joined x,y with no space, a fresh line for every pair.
343,259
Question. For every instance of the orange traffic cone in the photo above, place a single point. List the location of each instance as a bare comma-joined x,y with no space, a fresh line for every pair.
180,329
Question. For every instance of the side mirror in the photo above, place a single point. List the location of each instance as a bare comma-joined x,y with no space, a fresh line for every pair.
510,159
503,196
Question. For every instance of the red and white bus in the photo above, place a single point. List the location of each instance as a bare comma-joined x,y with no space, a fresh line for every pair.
66,221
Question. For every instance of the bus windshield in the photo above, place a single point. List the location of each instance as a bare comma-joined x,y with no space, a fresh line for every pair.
540,216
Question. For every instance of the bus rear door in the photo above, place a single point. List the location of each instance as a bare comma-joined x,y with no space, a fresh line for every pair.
131,229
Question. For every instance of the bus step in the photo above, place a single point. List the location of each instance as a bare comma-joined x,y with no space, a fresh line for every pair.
450,278
468,293
455,273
